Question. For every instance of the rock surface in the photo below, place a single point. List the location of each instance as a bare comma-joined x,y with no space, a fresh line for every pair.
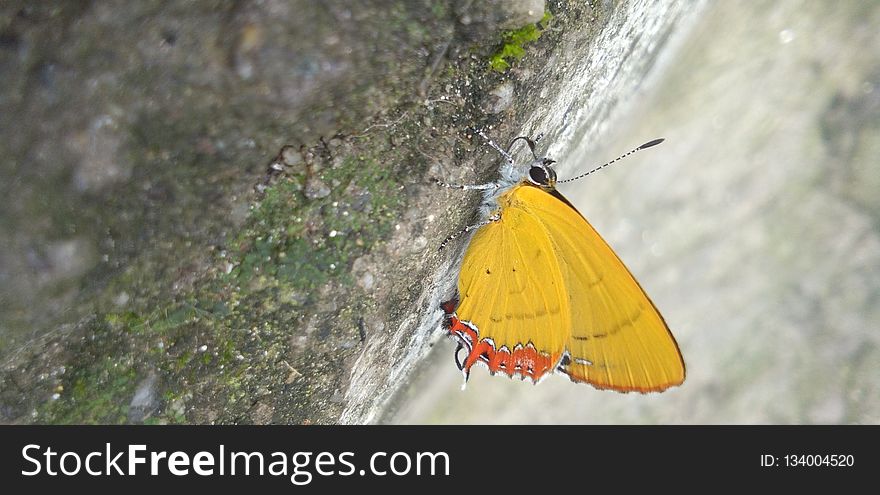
223,213
186,189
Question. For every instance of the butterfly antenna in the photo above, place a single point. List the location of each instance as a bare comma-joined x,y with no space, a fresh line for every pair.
621,157
528,141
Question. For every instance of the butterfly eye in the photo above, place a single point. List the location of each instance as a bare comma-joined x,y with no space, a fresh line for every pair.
538,176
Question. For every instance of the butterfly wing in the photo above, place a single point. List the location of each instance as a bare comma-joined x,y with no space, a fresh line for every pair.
541,290
617,338
513,306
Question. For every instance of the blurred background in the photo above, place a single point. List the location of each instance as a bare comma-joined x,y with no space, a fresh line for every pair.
755,227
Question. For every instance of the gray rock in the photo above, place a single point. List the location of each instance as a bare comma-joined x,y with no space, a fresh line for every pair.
291,156
481,19
499,99
316,188
144,402
261,413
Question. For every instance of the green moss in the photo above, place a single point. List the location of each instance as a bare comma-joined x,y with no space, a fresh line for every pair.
128,320
299,243
513,42
162,320
97,393
175,407
439,10
291,245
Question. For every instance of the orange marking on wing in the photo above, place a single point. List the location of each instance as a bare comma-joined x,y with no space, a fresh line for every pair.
526,361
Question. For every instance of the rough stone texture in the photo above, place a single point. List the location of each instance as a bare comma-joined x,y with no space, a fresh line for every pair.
127,127
234,198
186,188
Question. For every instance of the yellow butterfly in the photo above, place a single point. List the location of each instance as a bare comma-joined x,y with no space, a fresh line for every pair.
540,291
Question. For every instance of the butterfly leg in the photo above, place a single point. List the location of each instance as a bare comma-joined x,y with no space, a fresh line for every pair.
494,218
495,146
468,187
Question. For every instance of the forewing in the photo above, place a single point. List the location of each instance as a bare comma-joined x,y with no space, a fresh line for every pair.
617,338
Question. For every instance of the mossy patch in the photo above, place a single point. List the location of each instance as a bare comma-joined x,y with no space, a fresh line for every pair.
300,243
513,42
229,339
98,391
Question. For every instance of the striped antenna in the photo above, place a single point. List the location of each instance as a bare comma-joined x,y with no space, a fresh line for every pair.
621,157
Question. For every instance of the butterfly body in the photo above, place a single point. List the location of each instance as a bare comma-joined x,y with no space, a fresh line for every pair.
540,292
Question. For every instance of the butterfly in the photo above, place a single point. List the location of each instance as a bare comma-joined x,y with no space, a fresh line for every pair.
540,292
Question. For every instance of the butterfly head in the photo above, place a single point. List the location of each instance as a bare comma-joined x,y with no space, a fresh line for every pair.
541,173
